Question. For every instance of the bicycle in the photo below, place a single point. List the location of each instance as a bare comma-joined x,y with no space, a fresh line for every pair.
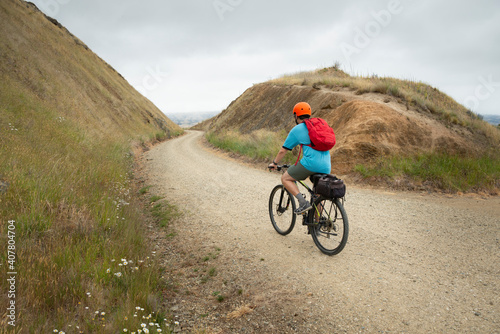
326,221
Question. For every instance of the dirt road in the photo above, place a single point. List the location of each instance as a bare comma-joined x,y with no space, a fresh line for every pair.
414,263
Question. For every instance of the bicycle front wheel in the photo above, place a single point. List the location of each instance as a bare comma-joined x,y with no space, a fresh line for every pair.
329,225
281,210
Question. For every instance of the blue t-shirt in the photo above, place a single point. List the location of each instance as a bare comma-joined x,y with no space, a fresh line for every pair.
313,160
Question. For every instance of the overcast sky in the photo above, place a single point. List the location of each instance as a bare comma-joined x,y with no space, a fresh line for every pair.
199,55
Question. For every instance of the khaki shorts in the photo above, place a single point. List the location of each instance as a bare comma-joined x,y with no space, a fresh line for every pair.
299,172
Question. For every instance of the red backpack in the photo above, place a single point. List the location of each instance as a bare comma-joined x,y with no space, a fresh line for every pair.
321,134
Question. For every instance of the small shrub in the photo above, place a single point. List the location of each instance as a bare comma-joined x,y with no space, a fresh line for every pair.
155,198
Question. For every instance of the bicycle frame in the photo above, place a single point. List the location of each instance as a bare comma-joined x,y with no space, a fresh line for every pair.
311,192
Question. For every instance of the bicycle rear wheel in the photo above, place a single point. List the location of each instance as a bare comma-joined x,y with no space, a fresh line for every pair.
329,225
281,210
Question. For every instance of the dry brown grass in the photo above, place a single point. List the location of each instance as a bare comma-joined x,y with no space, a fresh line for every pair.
419,95
72,80
67,123
240,312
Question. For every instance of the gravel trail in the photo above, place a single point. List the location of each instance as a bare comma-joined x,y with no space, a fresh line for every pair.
414,263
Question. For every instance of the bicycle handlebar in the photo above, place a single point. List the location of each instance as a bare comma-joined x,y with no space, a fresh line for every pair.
280,167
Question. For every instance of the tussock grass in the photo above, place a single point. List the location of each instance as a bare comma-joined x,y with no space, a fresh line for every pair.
76,223
260,145
415,94
449,173
68,122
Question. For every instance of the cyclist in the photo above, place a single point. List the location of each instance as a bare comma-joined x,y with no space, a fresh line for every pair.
312,161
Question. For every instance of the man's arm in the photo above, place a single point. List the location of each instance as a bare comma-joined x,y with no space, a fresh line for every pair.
278,158
288,145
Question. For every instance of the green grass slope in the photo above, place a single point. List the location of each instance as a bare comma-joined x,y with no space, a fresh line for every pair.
69,124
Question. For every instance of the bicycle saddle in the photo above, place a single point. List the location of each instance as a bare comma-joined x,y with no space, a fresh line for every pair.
315,177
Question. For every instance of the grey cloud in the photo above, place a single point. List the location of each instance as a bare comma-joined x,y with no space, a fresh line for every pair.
445,43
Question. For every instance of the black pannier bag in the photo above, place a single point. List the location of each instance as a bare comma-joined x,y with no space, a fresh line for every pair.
329,186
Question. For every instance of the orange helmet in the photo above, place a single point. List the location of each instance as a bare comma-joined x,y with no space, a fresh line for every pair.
302,108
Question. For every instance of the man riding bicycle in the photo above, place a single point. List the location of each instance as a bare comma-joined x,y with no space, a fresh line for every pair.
312,162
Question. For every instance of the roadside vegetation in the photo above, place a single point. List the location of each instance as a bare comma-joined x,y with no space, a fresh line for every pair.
82,255
442,171
438,171
70,214
261,145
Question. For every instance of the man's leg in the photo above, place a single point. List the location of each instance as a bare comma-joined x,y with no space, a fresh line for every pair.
289,183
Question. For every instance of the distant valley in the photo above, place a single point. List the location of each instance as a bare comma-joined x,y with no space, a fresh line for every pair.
492,119
188,119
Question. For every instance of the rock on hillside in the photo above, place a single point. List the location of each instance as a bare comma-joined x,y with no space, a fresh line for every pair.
366,126
39,57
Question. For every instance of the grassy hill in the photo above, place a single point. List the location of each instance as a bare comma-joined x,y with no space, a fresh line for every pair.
388,130
69,125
